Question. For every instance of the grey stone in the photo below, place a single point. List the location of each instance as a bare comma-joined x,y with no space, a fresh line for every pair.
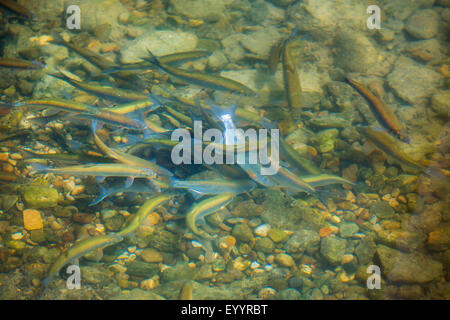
264,244
217,61
408,267
423,24
137,294
425,50
382,210
208,10
95,275
348,229
402,239
303,240
333,249
242,232
355,52
412,81
440,103
365,250
289,294
159,42
260,42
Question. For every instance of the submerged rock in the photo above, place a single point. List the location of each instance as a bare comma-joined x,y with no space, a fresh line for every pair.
423,24
402,239
40,197
333,249
347,229
408,267
303,240
355,52
159,42
440,103
208,10
425,50
101,12
382,210
242,232
260,42
137,294
365,250
320,18
412,81
439,239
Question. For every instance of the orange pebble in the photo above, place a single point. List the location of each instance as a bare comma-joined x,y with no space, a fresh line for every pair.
326,231
153,218
32,219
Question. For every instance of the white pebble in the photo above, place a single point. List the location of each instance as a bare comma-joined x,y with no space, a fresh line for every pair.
268,267
17,236
262,230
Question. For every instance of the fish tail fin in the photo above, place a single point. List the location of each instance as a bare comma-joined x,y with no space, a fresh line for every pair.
27,154
153,59
322,196
219,112
103,194
95,126
293,33
46,282
175,182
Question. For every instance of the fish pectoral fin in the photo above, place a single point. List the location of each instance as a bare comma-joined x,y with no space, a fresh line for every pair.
129,182
154,185
100,179
195,194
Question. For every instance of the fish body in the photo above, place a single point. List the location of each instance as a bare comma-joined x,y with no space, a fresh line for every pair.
64,157
287,179
126,158
79,249
225,115
201,209
60,104
389,145
169,58
107,92
203,79
320,180
137,187
148,207
141,106
296,160
115,119
96,59
290,76
20,64
385,116
100,170
186,291
216,186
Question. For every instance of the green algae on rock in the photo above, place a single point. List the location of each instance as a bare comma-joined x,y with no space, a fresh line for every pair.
40,197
